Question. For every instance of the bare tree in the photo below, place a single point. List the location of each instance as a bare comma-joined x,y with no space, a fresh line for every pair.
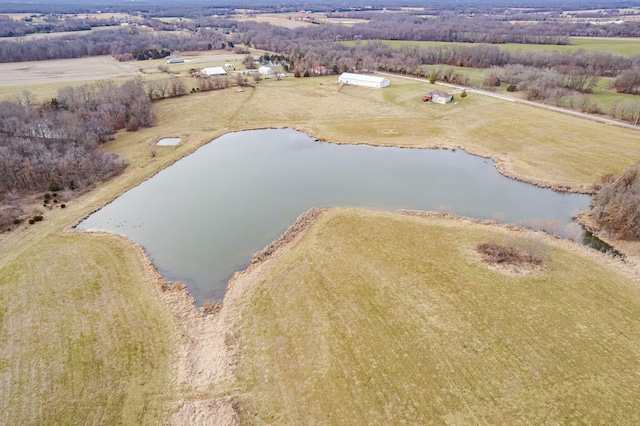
177,87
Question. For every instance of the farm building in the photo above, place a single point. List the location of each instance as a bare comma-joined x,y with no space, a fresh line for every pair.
438,97
266,70
363,80
214,71
175,60
320,70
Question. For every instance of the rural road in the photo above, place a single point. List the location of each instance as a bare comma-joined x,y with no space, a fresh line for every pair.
522,101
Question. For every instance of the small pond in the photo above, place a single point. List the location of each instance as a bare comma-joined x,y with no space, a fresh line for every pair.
204,217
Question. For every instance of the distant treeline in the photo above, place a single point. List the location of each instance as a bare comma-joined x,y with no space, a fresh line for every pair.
119,42
59,140
12,28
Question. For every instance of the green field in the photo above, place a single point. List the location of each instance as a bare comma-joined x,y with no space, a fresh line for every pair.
84,338
621,46
376,318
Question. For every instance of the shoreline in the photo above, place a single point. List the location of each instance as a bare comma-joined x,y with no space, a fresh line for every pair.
205,358
204,362
501,164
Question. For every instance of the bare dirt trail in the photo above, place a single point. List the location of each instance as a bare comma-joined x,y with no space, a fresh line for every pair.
522,101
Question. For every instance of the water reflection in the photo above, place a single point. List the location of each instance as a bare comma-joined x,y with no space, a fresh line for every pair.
203,218
590,240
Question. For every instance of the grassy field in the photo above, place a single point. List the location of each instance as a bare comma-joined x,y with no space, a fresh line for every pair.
83,338
602,94
533,143
84,341
621,46
376,318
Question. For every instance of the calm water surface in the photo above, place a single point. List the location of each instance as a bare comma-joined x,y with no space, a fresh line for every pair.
204,217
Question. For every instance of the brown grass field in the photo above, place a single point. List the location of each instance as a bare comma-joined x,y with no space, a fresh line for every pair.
378,318
86,340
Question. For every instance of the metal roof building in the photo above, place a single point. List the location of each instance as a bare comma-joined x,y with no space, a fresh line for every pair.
363,80
215,71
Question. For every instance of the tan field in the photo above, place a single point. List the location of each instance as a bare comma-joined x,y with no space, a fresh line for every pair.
90,336
19,76
378,318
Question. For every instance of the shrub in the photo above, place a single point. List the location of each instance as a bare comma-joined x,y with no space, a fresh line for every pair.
509,254
16,221
511,88
616,208
53,186
47,195
37,218
31,221
62,206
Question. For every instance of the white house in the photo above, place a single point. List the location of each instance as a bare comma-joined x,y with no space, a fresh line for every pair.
363,80
266,70
438,97
214,71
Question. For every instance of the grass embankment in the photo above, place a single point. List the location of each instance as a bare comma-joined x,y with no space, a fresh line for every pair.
378,318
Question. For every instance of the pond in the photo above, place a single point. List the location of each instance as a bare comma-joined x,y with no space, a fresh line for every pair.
204,217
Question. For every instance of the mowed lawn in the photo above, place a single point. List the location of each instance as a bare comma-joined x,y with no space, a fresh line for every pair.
378,318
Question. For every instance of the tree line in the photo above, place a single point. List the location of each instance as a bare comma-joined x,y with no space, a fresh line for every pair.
50,24
119,42
59,140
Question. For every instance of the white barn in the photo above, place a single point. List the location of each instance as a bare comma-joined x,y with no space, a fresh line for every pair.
363,80
214,71
266,70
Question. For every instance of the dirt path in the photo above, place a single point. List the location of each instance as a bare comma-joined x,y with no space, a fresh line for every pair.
522,101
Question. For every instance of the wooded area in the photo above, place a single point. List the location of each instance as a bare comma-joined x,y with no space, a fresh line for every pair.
58,141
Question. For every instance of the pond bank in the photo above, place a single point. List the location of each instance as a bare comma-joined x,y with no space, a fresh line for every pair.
207,356
502,163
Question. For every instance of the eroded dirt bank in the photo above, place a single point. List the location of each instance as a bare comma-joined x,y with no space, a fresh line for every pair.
204,365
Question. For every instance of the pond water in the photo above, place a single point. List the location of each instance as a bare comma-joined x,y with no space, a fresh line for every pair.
204,217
